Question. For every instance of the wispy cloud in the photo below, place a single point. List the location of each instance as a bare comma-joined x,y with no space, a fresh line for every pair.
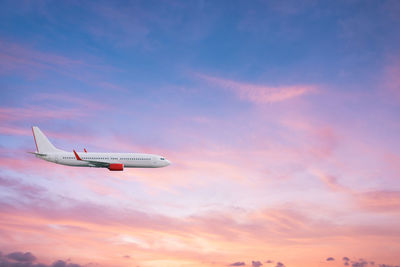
17,58
15,131
331,181
28,62
40,113
372,200
391,78
259,94
379,200
78,100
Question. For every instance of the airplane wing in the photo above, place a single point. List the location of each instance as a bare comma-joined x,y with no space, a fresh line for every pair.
94,163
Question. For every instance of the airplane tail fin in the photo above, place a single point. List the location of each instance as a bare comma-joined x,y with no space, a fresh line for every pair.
43,145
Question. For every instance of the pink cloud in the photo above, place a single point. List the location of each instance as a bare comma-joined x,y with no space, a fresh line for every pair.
27,163
393,161
113,87
28,62
81,101
39,113
391,78
11,130
387,201
331,181
218,236
379,201
260,94
321,139
14,57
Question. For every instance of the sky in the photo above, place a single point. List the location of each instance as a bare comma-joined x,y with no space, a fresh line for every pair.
280,118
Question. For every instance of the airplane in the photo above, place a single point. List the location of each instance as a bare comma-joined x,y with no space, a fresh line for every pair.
113,161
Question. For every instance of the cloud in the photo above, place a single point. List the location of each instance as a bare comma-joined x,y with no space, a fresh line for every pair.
359,263
48,107
373,201
61,263
239,263
330,181
330,259
86,223
12,130
278,225
28,62
280,264
27,259
379,200
182,21
29,191
14,57
124,29
33,113
256,263
390,80
363,263
259,94
81,101
20,256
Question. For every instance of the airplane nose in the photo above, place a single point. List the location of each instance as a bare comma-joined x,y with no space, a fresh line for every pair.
168,162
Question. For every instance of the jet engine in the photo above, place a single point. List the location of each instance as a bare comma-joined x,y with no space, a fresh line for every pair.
116,167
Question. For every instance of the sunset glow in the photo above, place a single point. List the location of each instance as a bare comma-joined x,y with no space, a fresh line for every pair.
280,118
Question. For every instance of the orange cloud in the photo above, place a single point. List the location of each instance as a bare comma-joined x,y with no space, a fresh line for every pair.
260,94
211,239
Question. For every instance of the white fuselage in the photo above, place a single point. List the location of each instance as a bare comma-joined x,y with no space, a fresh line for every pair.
129,160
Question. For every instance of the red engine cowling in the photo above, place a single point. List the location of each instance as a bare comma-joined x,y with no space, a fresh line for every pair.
116,167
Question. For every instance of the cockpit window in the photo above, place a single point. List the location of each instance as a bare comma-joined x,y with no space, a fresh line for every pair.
162,158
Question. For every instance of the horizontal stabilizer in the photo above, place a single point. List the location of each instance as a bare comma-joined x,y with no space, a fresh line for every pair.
36,153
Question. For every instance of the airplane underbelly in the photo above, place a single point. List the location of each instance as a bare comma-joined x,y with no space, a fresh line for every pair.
74,163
